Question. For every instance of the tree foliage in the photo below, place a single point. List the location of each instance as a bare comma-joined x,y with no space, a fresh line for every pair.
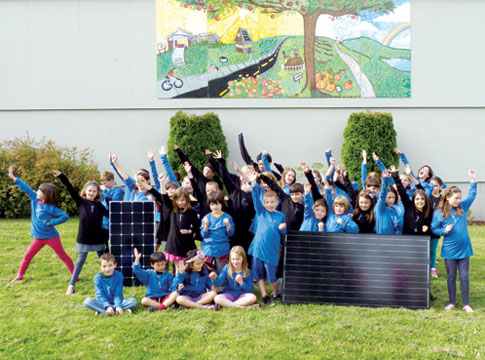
194,134
373,132
33,162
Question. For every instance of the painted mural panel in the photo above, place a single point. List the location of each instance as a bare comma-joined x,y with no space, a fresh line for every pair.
283,48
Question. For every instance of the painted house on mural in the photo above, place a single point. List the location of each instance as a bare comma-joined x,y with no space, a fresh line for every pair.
244,43
180,39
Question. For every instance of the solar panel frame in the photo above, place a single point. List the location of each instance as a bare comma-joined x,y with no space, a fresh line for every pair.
132,224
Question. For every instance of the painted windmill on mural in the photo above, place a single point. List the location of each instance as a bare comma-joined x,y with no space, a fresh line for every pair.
285,48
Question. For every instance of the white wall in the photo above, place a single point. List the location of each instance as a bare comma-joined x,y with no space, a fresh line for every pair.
83,73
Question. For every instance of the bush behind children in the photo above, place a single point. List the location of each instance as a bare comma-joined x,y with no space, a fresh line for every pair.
262,204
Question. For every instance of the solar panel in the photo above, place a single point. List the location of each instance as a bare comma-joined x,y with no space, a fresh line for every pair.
356,269
131,224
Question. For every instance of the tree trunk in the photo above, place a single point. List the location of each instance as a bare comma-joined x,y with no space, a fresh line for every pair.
309,24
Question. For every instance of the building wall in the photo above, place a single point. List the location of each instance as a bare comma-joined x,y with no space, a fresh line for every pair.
83,74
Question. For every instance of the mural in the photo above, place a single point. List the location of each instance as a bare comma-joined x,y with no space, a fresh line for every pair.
283,48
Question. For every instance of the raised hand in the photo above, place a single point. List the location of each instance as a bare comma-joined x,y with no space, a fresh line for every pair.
472,175
10,173
150,154
208,152
175,147
161,177
163,150
364,154
397,151
374,156
56,173
113,158
408,170
333,161
304,166
137,256
386,174
253,177
217,154
188,169
308,188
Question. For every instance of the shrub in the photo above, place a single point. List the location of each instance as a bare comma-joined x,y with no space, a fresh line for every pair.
373,132
33,162
194,134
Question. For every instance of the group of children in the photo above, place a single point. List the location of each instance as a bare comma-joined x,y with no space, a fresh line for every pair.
260,206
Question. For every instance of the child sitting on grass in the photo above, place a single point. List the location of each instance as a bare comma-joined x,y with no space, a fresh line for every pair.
237,281
108,285
158,282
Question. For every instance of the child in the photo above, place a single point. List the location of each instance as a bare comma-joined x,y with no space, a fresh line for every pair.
237,281
158,282
108,285
193,283
364,212
109,192
45,215
315,212
288,178
338,220
271,225
134,187
450,221
184,227
90,236
216,229
434,200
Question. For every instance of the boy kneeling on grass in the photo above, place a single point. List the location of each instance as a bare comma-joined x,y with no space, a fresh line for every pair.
108,285
158,282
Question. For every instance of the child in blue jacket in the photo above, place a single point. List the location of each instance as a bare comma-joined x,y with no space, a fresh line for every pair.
159,295
450,221
216,229
108,285
388,214
338,219
193,283
237,281
45,215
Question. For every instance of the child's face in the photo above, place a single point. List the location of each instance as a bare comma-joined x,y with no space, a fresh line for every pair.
419,202
107,267
404,180
454,199
290,177
109,184
245,187
318,179
181,202
216,207
236,261
159,266
270,203
197,265
320,212
40,195
436,187
186,184
339,209
265,186
296,197
423,173
171,191
373,189
390,199
207,172
364,203
91,192
141,183
261,165
211,188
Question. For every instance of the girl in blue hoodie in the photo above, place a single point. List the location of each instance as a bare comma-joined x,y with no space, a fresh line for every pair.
338,219
45,215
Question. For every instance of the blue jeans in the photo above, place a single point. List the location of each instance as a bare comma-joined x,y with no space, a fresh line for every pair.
95,305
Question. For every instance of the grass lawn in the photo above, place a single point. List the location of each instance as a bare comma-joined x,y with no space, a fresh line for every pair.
37,321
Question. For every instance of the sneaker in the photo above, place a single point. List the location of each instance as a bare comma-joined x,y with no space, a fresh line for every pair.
17,278
267,301
434,273
96,313
128,311
276,297
152,309
449,307
70,290
468,309
213,307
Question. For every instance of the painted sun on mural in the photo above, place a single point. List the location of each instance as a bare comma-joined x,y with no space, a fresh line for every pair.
283,48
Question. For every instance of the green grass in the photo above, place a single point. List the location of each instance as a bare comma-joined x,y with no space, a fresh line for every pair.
37,321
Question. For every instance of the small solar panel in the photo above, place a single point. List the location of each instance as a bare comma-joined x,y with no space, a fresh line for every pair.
131,225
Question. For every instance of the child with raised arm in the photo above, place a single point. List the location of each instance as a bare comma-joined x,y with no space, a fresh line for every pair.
434,200
315,213
90,236
271,225
108,285
159,295
450,221
237,281
109,192
388,214
216,229
193,284
338,220
45,216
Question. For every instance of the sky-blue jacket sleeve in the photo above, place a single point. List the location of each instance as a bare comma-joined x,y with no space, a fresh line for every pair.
26,189
472,193
141,274
266,165
255,193
153,168
328,155
168,169
58,216
363,174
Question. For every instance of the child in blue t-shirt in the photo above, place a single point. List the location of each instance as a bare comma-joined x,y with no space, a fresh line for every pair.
159,295
216,229
108,285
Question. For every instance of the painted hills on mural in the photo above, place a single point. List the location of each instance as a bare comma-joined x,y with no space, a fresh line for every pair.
283,48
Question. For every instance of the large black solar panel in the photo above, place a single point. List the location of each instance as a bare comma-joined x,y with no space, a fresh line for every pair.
356,269
131,224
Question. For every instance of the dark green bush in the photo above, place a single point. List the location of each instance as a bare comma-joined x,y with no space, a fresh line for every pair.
194,134
33,162
373,132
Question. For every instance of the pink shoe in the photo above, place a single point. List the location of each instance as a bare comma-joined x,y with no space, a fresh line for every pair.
468,309
449,307
434,273
70,290
17,278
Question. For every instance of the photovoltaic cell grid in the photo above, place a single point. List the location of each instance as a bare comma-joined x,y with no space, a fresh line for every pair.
356,269
131,225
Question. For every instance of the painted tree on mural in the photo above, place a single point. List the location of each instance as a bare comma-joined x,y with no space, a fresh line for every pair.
310,10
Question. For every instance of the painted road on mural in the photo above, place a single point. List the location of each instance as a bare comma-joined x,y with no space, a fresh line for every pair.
366,89
215,84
